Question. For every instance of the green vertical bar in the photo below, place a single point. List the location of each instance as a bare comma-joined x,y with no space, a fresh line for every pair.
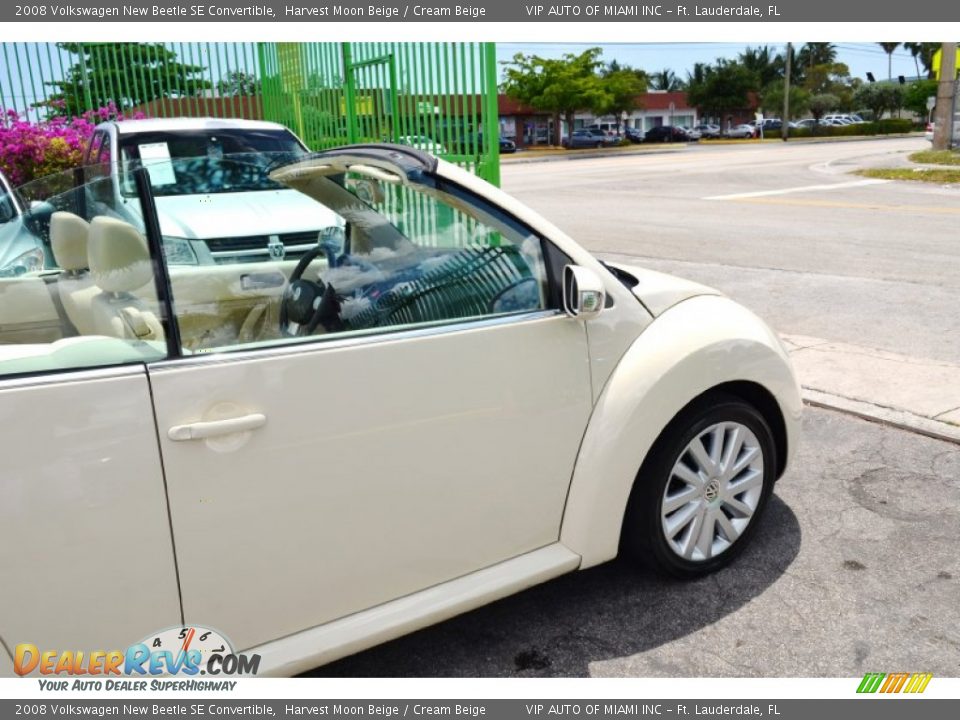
490,169
394,97
16,57
349,91
85,78
157,70
122,81
13,98
207,107
145,94
474,107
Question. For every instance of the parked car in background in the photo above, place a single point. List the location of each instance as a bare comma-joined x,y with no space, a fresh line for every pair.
313,457
708,130
634,135
197,165
23,233
741,131
423,142
692,133
666,133
587,138
806,123
470,144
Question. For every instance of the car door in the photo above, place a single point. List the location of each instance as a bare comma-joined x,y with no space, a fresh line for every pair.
410,441
85,545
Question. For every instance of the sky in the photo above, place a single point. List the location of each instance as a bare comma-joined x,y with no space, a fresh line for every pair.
680,57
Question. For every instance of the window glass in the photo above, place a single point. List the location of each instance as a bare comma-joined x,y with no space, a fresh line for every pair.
338,253
76,281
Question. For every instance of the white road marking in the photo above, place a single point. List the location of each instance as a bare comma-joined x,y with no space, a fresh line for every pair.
805,188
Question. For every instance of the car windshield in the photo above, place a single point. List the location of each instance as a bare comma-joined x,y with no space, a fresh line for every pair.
206,161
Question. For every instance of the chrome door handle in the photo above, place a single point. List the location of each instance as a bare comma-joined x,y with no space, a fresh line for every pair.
213,428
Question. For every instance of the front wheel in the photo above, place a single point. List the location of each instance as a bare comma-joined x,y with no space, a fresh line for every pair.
702,490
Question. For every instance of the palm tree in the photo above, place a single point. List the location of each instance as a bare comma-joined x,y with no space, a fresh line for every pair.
763,62
666,80
817,54
924,52
888,48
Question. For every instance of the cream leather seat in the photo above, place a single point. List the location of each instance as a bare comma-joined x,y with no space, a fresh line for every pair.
68,240
120,264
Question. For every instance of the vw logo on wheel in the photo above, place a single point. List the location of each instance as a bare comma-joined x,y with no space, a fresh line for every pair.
711,491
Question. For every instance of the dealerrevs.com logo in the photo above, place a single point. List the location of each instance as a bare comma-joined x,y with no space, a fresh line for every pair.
177,651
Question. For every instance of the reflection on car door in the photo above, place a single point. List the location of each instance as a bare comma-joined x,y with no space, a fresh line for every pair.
382,467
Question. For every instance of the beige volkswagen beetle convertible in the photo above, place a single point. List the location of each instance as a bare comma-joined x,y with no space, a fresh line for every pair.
444,401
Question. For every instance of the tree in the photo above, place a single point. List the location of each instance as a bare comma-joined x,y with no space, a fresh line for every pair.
820,105
923,51
666,80
832,79
771,99
238,82
726,86
916,94
620,91
559,86
125,74
879,98
817,54
765,63
888,48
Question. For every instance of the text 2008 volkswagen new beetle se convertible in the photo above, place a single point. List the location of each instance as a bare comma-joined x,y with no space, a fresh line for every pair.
444,400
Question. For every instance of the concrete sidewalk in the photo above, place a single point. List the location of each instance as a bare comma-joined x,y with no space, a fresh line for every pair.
917,394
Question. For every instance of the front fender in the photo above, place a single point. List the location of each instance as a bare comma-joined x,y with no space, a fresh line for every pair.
696,345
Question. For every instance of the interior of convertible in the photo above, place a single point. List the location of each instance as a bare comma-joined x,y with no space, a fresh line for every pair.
394,254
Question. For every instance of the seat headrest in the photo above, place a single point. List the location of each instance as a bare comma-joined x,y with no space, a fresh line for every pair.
119,257
68,240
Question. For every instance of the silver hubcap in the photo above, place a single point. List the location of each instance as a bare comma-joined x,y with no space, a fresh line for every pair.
713,491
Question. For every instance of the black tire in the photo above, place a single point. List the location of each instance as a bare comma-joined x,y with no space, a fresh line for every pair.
643,537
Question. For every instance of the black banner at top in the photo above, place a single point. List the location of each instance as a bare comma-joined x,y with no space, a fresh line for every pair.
478,11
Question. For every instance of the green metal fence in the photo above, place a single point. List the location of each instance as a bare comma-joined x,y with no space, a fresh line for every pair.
439,96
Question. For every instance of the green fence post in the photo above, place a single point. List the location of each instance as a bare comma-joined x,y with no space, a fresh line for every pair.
490,171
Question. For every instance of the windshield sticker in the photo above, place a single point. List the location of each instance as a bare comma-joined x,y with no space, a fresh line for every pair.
156,158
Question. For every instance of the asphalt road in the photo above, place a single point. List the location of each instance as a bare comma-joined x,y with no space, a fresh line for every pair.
817,253
854,570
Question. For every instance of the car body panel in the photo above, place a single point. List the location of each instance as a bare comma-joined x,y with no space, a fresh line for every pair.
85,541
659,292
306,650
699,344
365,465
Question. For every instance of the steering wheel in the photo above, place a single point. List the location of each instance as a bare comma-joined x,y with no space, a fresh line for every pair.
307,304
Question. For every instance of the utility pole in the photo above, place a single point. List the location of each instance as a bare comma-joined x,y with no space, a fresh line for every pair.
946,90
785,120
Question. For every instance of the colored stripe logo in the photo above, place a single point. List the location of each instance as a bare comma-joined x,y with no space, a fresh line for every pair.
894,682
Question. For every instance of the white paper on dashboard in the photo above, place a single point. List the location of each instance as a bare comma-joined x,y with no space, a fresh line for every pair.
156,158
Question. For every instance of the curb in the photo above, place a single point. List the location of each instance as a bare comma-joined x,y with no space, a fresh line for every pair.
900,419
586,155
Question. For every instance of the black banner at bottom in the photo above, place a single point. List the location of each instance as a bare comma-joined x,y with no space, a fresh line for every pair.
872,707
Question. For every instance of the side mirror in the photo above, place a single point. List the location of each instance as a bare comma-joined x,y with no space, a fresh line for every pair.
583,292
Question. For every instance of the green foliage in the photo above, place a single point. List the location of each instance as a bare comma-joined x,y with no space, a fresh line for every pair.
820,105
923,55
771,99
619,94
559,86
125,74
817,54
890,126
665,80
765,64
725,86
237,82
916,94
879,97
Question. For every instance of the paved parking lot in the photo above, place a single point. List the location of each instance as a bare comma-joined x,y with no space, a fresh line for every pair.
856,569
